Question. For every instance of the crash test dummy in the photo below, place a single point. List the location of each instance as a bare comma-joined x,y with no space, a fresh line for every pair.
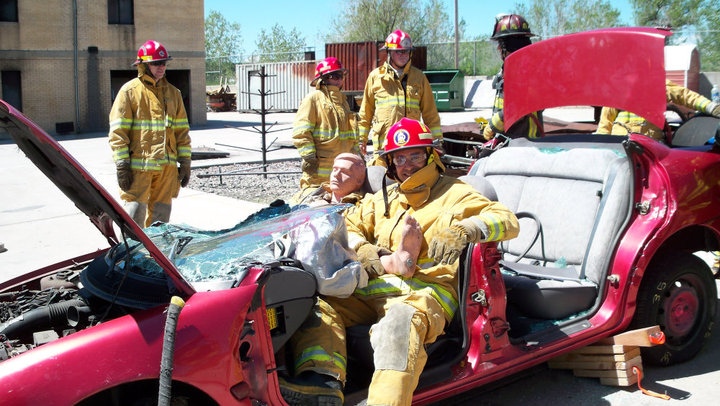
149,137
512,33
346,184
393,91
408,306
324,125
619,122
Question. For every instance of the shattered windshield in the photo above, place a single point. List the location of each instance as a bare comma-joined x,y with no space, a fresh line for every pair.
202,255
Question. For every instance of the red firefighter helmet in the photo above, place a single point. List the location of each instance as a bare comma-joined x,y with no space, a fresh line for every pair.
152,51
407,133
509,25
327,65
398,40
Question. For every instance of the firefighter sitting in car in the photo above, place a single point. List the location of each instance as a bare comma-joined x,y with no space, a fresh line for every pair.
408,239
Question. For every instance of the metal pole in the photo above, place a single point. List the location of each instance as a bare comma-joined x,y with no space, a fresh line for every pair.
262,115
75,67
474,57
457,36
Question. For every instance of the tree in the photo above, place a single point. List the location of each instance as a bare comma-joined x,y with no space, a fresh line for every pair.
280,45
222,46
550,18
372,20
691,20
709,37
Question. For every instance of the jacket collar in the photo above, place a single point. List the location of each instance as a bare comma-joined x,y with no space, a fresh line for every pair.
391,71
415,190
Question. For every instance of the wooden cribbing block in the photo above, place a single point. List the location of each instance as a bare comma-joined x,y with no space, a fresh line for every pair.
642,337
595,362
590,356
611,363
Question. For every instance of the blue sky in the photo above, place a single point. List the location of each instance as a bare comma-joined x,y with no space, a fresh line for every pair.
312,18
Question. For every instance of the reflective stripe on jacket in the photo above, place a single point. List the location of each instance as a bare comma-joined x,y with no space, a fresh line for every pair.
148,124
385,103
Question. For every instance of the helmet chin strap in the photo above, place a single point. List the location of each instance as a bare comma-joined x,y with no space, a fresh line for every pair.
385,198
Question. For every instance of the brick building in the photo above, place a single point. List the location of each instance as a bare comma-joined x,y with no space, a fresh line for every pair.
63,61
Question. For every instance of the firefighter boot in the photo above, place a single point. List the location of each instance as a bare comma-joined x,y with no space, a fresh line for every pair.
311,389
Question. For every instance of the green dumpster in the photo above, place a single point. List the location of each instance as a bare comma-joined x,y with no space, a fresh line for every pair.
448,87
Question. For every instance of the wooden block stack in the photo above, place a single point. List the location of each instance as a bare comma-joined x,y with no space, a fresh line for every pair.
611,359
611,363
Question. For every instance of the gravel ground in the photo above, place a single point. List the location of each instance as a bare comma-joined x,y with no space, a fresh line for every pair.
282,182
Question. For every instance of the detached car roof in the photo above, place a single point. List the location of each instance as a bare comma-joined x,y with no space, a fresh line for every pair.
614,67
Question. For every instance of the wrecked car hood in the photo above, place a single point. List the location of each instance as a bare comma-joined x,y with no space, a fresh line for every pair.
80,187
615,67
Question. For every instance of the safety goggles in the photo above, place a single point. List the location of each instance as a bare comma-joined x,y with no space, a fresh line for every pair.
414,158
402,51
158,63
335,75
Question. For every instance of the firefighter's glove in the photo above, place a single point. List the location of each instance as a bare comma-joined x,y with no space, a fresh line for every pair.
715,110
124,174
488,132
184,171
446,247
369,258
310,164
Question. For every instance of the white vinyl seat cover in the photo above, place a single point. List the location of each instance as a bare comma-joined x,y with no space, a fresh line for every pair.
581,197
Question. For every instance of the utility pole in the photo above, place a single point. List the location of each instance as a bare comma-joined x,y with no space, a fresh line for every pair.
457,36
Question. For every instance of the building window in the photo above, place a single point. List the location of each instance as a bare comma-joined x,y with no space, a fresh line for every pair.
120,12
8,10
12,88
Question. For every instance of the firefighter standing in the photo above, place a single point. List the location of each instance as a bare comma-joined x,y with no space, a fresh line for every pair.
324,126
619,122
149,136
511,32
409,307
396,90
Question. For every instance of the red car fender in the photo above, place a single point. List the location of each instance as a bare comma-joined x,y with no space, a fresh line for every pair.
129,348
675,199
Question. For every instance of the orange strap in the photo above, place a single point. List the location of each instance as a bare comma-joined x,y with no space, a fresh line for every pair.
637,372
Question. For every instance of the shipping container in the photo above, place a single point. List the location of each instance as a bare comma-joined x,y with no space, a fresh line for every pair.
360,58
286,83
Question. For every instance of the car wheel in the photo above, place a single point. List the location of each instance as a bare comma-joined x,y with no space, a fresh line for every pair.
678,293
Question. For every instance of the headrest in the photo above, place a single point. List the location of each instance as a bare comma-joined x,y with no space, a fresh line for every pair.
482,185
373,178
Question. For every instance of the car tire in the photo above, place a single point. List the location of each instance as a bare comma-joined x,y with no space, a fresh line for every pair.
678,293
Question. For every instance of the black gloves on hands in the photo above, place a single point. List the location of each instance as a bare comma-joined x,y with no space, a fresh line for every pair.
124,174
448,244
310,164
184,172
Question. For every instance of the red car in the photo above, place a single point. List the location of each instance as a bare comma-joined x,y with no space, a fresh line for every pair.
609,226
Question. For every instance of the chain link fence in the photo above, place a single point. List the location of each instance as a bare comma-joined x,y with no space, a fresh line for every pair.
476,58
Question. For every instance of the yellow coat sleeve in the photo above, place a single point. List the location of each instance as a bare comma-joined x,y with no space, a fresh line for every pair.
305,122
685,97
121,118
607,117
367,110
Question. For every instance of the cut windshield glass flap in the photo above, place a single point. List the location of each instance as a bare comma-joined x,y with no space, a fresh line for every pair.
202,255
